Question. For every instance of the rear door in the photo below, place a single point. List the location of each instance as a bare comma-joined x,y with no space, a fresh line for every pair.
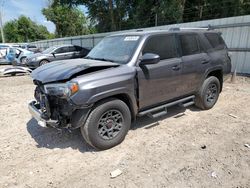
195,61
63,53
218,51
73,53
160,82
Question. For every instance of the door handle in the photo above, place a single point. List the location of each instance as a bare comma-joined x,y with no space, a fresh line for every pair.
205,62
176,68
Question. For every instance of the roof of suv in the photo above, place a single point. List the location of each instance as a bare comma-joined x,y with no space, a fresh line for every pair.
149,32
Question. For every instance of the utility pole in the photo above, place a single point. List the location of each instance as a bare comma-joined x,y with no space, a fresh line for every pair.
1,20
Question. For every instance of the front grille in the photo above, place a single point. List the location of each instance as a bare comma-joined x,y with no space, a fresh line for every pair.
28,60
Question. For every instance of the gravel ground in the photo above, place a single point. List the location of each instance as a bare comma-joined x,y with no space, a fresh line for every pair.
186,148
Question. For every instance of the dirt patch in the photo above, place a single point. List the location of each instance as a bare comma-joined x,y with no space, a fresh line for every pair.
186,148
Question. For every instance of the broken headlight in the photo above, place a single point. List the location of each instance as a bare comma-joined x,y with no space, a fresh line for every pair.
64,90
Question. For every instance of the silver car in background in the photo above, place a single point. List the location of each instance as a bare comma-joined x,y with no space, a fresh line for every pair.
55,53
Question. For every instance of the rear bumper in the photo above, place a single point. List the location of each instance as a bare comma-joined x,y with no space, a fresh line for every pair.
36,113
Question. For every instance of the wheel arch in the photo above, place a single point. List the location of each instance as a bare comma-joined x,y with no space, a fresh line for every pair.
126,99
43,60
218,73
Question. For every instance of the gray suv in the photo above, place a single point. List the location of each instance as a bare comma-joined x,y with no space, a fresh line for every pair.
130,75
54,53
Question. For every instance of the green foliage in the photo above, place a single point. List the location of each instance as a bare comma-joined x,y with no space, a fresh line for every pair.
25,30
69,21
108,15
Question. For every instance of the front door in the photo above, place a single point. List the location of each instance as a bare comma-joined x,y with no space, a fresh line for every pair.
160,82
62,53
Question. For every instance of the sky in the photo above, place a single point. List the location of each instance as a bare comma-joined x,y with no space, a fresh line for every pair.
12,9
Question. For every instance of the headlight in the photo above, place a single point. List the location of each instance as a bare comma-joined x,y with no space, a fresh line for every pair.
61,90
34,59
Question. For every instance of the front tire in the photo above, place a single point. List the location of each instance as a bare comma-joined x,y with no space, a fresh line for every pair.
107,125
208,94
43,62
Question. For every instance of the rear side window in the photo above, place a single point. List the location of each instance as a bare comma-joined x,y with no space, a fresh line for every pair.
216,41
62,50
72,49
163,45
189,44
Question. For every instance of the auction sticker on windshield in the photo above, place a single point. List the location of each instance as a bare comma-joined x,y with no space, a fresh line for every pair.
131,38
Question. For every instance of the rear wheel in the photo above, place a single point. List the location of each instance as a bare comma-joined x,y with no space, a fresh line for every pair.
107,125
43,62
208,94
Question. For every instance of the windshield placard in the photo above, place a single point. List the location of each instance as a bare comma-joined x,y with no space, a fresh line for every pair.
131,38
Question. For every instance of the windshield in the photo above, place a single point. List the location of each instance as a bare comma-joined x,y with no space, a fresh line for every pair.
49,50
117,49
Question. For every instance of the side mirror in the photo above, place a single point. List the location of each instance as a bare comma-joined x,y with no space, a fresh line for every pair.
149,58
53,53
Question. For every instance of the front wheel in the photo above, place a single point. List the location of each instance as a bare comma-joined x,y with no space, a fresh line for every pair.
107,125
43,62
208,94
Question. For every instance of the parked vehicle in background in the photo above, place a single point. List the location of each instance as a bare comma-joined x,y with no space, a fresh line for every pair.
15,56
31,47
55,53
129,75
4,49
10,54
21,55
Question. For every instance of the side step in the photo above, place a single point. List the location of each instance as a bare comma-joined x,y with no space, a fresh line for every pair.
162,110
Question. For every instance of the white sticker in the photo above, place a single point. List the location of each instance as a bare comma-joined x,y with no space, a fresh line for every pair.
131,38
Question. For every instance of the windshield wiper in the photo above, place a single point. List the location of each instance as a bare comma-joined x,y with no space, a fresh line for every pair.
99,59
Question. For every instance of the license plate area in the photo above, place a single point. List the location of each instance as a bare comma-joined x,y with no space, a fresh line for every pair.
44,104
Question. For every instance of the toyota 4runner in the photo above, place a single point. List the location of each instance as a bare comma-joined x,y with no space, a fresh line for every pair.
129,75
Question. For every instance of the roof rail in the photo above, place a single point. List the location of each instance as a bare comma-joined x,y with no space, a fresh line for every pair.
191,28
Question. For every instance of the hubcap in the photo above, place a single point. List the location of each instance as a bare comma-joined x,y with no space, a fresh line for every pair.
110,124
211,93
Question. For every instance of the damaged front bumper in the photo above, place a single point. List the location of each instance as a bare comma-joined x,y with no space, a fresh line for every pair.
75,119
36,113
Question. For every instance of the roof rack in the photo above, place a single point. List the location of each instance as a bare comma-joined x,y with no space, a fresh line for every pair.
191,28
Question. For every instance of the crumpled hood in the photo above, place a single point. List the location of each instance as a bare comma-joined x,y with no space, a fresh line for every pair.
66,69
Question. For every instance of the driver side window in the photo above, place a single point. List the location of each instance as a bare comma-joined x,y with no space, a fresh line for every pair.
162,45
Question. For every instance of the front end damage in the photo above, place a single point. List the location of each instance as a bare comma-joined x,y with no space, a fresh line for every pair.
57,112
54,89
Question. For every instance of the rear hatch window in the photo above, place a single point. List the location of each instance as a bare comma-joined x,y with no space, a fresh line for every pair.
216,41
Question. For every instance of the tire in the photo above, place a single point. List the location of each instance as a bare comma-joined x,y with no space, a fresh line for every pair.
208,94
107,125
43,62
22,60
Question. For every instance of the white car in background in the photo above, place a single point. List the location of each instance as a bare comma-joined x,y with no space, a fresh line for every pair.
21,55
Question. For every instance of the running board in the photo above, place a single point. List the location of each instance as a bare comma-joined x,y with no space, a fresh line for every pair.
162,110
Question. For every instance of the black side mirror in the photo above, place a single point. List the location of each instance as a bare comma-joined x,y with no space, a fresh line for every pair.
53,53
149,58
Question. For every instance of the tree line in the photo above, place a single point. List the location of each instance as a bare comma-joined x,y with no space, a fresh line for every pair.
113,15
24,29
